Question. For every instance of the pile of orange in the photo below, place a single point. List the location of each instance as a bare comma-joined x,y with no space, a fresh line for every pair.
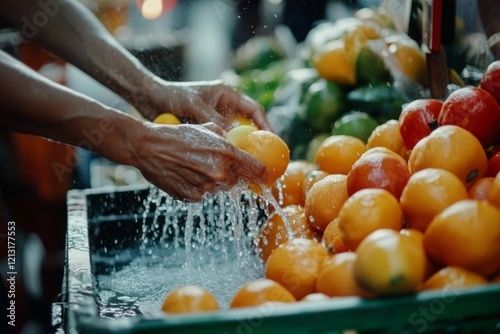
375,219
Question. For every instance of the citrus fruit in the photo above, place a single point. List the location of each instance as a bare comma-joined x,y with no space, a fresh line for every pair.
417,119
295,265
357,37
494,196
427,193
239,120
332,238
167,118
333,63
481,189
367,211
336,277
452,148
236,134
260,291
337,154
311,178
453,277
409,59
324,103
288,189
473,109
270,149
378,170
275,230
466,234
389,263
388,135
325,199
189,299
355,123
314,144
370,67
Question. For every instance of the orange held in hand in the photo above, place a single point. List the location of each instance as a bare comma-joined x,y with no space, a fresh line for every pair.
270,149
189,299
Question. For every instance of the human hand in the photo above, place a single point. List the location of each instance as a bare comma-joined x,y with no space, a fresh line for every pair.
202,102
188,160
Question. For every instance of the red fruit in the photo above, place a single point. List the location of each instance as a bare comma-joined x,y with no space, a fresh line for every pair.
473,109
490,81
494,165
417,120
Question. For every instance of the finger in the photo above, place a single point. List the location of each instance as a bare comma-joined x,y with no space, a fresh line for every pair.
206,114
256,112
251,168
214,128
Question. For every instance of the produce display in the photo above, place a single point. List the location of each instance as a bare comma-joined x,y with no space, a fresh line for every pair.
382,190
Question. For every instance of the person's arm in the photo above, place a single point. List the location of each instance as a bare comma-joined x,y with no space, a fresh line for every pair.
174,158
73,33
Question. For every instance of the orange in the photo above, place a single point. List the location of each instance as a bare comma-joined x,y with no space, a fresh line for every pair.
311,178
270,149
494,196
338,153
167,118
389,263
452,148
453,277
336,277
260,291
332,238
296,265
418,237
378,170
466,234
409,59
367,211
239,120
275,231
333,63
481,189
235,135
357,37
427,193
324,200
313,297
388,135
288,189
189,299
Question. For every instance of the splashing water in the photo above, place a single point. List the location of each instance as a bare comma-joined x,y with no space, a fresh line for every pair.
211,244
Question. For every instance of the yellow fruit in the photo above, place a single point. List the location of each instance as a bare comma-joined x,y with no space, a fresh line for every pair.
367,211
288,190
453,278
189,299
235,135
427,193
409,59
494,195
261,291
452,148
338,153
387,135
389,263
296,265
332,63
167,118
324,200
270,149
466,234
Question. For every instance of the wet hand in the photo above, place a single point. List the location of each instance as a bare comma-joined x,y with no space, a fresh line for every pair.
188,161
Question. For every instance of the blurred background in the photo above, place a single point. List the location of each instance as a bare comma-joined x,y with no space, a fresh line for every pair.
177,40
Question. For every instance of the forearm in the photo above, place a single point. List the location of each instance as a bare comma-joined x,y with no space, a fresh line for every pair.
32,104
73,33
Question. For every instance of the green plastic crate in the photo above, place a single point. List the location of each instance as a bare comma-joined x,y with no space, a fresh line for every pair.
473,310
